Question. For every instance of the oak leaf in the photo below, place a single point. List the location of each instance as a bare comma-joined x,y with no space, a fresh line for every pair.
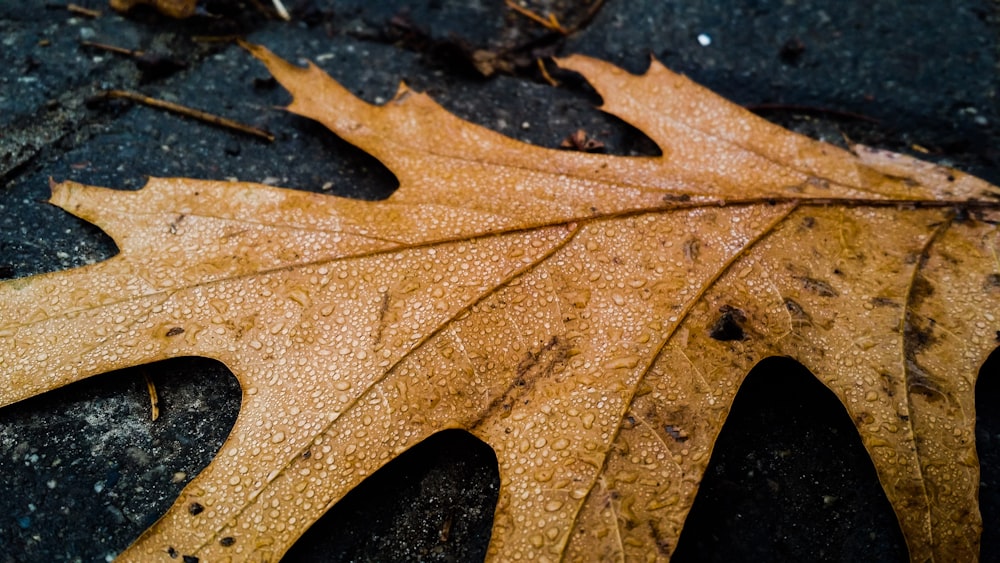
590,317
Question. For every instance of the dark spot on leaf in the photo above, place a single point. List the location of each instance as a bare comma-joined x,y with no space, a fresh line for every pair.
662,544
905,180
819,287
547,361
863,418
883,302
796,310
692,247
190,559
950,258
888,385
992,281
674,197
808,222
173,225
195,508
912,488
919,333
961,215
174,331
820,183
676,433
172,552
728,326
920,290
227,541
921,384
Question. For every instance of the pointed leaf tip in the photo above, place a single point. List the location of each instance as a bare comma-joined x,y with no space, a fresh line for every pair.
315,94
60,193
281,69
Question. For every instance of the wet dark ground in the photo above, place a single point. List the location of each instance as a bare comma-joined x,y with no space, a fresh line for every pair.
84,470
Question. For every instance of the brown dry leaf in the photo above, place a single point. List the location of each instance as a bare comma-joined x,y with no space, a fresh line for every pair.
590,317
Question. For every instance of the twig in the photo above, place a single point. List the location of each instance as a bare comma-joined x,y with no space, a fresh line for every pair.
81,11
189,112
152,65
553,36
154,399
545,73
113,49
550,23
282,12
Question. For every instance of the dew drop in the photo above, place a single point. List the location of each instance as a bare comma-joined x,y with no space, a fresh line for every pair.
623,362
